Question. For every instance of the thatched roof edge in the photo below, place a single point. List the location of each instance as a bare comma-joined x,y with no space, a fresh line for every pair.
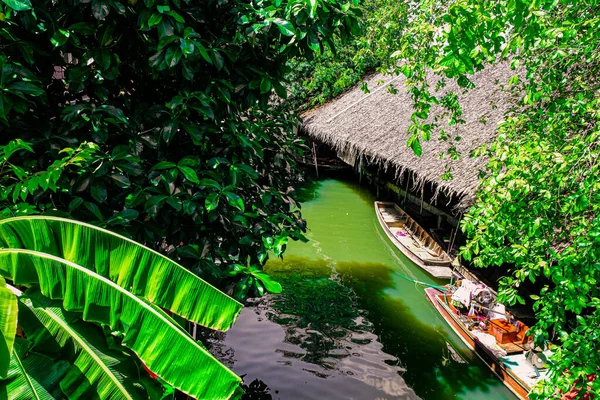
372,128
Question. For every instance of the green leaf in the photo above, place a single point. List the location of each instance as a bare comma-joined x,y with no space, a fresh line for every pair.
176,16
83,28
212,201
415,144
164,165
169,130
121,180
94,209
235,200
280,89
313,7
217,59
33,376
204,53
96,371
187,47
26,88
8,326
60,37
133,266
100,9
285,27
114,112
155,19
98,191
103,58
265,85
271,285
313,41
189,174
18,5
145,328
209,183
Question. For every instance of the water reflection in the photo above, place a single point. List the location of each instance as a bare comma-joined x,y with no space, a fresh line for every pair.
322,317
347,326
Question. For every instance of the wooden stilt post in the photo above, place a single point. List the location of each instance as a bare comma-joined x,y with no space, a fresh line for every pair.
314,151
422,192
406,190
359,170
453,238
377,181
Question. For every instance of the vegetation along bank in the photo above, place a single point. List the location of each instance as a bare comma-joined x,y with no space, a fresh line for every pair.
173,124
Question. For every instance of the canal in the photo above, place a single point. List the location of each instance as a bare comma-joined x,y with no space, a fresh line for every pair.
348,324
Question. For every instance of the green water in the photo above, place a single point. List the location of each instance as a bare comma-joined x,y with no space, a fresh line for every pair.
348,326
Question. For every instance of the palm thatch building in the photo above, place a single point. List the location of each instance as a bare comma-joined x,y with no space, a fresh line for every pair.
371,129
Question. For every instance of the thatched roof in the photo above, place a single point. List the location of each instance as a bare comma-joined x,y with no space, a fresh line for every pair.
374,127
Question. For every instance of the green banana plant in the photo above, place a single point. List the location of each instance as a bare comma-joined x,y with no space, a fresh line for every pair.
8,326
78,271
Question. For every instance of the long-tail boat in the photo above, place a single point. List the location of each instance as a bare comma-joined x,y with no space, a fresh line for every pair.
496,337
412,240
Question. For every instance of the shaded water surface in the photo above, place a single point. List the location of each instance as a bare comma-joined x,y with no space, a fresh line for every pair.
348,325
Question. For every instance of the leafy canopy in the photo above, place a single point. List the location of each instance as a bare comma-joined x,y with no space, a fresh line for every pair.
537,211
153,118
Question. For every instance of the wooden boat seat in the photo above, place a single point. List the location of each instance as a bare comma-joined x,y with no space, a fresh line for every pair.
422,252
512,348
397,224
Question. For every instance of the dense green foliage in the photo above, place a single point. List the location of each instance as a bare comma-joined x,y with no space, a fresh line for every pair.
538,208
329,74
153,118
102,278
343,64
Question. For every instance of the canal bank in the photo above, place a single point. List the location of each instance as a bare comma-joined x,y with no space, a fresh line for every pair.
348,325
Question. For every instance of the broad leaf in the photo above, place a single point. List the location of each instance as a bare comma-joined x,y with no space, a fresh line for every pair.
18,5
33,376
130,265
146,330
8,325
235,200
212,201
271,285
96,370
285,27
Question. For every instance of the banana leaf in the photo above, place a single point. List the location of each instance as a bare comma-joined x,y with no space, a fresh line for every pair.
138,269
166,349
96,370
33,376
8,326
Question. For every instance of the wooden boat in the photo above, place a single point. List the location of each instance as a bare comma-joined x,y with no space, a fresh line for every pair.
513,366
412,240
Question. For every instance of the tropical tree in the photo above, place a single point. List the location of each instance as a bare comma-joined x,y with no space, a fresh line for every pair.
346,62
156,119
536,214
99,310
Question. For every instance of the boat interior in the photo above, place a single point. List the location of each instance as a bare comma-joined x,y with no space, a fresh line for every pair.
412,236
506,338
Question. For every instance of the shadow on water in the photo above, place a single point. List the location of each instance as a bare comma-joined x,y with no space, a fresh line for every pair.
340,324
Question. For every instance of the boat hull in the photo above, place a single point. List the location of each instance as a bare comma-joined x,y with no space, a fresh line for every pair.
516,385
439,270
